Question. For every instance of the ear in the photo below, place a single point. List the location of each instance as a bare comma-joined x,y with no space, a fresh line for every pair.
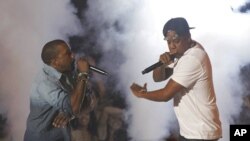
54,63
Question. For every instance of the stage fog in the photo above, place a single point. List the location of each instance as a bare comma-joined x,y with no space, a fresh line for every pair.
125,37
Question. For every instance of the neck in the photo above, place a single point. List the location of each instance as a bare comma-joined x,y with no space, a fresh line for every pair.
192,44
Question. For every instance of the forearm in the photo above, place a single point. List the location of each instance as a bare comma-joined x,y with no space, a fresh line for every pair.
164,94
162,73
159,74
89,102
77,96
78,93
157,95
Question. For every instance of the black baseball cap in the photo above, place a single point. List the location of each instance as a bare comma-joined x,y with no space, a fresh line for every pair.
179,25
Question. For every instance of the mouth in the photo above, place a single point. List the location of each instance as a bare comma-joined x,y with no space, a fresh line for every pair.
173,52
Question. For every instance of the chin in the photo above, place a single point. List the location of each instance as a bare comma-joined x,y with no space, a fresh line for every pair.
69,69
66,70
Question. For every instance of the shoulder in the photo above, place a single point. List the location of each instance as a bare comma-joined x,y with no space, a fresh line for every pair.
45,82
196,54
198,50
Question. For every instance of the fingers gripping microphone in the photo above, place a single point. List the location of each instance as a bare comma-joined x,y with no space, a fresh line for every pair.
92,68
98,70
156,65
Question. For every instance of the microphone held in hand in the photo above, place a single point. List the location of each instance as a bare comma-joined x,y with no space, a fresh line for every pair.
152,67
98,70
92,68
156,65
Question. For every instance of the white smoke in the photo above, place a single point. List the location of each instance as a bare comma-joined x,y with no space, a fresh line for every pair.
224,35
26,25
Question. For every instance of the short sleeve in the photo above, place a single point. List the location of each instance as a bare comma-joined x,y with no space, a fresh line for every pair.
187,71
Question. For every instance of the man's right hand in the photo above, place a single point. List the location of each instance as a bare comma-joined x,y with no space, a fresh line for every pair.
83,65
165,58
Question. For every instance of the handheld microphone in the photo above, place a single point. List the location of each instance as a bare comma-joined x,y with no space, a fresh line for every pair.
156,65
98,70
152,67
92,68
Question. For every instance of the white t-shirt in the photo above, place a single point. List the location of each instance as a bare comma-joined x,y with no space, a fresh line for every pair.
195,107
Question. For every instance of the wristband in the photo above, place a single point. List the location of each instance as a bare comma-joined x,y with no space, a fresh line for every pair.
83,76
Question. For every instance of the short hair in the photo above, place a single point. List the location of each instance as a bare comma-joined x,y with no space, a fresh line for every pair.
50,51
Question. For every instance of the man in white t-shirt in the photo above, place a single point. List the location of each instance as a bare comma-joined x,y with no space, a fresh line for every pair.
190,84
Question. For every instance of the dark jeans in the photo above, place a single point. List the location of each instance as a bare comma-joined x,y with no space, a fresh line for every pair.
181,138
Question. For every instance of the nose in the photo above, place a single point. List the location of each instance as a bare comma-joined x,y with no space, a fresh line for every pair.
171,45
172,48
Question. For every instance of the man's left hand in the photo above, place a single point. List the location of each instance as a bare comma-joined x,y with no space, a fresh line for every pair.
138,90
61,120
